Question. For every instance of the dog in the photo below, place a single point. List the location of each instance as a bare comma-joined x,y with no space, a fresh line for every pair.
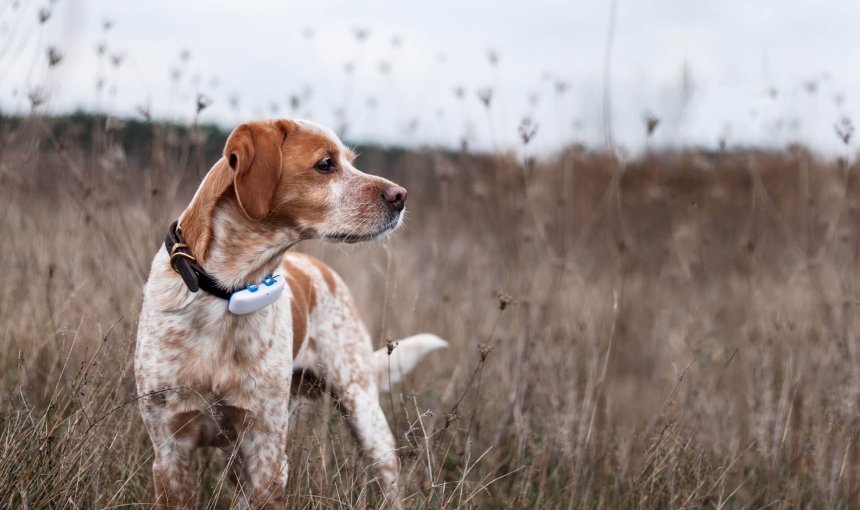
229,314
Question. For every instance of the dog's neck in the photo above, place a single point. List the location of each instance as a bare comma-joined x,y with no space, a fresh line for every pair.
243,250
229,245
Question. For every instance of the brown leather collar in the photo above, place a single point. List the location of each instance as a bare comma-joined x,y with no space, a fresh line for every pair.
183,262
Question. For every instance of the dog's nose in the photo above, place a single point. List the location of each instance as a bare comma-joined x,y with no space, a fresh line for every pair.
395,196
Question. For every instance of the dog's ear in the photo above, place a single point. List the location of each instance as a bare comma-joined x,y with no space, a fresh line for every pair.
253,152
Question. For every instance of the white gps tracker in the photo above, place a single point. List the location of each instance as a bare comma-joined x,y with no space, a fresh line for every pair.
255,297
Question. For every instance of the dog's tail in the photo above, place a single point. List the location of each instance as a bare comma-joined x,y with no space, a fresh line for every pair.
392,367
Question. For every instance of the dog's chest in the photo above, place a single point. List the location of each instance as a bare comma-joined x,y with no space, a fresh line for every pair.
215,354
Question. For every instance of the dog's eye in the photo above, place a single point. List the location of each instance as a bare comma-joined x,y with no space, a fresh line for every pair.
325,166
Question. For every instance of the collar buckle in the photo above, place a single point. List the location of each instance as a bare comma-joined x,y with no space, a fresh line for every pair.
174,252
188,267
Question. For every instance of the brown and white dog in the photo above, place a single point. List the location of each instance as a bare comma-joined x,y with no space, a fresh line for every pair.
211,378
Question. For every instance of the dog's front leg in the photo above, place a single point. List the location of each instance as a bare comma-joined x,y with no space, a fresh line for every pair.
173,473
262,446
267,470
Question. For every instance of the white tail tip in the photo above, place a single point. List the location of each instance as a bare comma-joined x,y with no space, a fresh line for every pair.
392,368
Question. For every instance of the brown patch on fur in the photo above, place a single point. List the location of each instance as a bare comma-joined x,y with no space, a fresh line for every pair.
174,339
253,151
302,198
236,420
327,273
196,222
220,429
304,300
194,427
300,326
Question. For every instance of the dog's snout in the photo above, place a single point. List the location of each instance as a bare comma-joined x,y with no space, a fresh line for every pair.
394,196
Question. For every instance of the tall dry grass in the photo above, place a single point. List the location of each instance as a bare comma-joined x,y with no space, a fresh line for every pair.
672,331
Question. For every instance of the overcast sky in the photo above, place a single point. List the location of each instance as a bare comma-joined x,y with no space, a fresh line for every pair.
406,72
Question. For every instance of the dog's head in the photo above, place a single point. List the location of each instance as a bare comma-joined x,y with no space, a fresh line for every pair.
294,174
300,174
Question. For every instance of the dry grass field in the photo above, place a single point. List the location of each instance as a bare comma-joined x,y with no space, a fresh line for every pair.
673,331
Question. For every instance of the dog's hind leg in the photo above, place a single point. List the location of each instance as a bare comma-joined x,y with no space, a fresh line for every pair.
360,404
350,376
